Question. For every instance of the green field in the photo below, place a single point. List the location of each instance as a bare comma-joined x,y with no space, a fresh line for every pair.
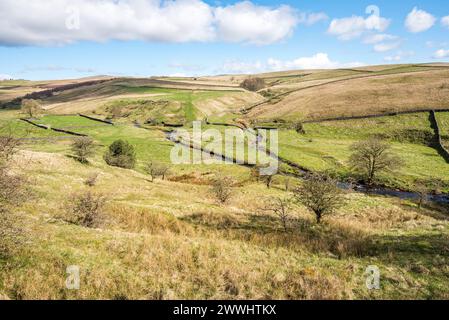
326,146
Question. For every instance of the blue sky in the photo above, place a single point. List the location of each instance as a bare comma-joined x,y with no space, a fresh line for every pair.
79,38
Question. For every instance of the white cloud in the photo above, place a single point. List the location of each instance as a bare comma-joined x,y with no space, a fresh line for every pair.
439,54
399,56
445,21
246,22
419,21
384,47
355,26
55,22
317,61
313,18
377,38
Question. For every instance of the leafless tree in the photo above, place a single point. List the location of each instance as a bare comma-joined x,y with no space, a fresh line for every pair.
257,176
373,156
424,187
280,207
320,194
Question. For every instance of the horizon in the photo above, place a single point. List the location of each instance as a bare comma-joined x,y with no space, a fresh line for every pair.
74,39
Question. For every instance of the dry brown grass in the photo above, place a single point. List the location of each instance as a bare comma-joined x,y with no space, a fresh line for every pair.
397,92
160,246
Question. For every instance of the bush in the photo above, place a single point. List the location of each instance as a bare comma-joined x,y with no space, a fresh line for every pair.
253,84
91,181
222,189
157,169
85,209
121,154
83,147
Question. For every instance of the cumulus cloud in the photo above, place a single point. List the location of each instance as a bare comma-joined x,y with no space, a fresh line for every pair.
313,18
317,61
445,21
419,21
353,27
246,22
440,54
67,21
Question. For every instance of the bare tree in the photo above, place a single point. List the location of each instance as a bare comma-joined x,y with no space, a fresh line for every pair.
373,156
281,208
424,187
222,189
157,169
266,179
320,194
30,107
83,147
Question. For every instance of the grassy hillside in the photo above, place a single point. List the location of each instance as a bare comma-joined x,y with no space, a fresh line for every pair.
172,239
153,245
349,93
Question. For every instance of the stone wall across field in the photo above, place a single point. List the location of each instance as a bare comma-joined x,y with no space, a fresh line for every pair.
96,119
41,126
438,142
388,114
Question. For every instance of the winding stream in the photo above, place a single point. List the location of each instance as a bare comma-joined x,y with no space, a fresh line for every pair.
302,173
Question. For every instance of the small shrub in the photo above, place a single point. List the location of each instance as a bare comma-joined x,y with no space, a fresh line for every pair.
299,128
83,147
222,189
157,169
92,180
85,209
121,154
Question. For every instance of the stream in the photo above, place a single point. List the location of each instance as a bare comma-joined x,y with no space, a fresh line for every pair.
442,199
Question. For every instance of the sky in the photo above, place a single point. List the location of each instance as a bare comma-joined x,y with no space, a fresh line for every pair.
61,39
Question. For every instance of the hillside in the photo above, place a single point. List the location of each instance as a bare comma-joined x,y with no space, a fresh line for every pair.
172,238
